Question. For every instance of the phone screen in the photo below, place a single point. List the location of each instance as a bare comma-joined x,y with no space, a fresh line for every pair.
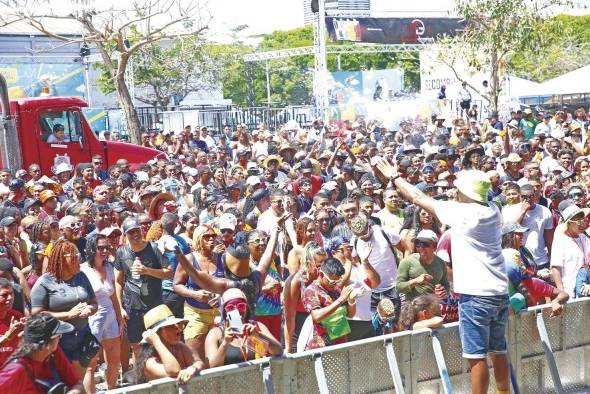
235,321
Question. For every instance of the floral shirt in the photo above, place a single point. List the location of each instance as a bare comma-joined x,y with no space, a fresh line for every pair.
316,297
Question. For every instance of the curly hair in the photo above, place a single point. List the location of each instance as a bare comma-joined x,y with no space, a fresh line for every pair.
57,258
409,313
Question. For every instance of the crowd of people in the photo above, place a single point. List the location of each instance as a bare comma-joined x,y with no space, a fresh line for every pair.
254,243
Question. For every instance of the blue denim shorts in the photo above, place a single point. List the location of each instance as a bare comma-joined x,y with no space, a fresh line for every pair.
482,324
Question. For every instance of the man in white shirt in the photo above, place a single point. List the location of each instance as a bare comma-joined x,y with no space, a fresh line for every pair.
207,138
479,270
376,244
537,219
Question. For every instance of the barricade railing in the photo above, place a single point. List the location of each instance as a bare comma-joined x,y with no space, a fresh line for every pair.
547,355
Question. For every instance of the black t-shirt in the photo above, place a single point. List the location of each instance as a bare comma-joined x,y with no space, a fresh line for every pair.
144,293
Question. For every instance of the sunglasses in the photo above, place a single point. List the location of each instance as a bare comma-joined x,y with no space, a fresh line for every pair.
575,195
241,307
260,241
384,319
74,225
209,236
102,247
323,220
277,202
422,244
331,282
97,163
344,249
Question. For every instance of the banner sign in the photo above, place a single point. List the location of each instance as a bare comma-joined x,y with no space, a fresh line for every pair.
392,30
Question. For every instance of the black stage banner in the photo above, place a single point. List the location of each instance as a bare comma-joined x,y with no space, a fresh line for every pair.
392,30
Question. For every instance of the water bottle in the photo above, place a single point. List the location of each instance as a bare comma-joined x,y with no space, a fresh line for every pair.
136,276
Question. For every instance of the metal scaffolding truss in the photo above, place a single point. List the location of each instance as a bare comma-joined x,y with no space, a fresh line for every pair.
338,49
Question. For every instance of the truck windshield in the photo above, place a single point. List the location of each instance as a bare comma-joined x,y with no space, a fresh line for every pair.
60,126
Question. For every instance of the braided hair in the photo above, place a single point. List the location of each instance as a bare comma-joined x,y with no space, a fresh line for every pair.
57,257
37,245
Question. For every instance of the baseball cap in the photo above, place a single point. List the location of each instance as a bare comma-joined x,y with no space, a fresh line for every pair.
16,184
227,221
7,221
427,235
130,224
110,230
42,333
306,166
512,227
253,180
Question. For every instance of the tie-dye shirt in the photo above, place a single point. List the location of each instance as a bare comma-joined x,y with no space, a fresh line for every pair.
268,303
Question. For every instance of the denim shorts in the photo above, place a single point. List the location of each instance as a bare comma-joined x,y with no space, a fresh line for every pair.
482,324
71,343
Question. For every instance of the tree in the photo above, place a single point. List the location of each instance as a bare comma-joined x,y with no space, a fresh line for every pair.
291,78
167,71
117,31
567,47
495,31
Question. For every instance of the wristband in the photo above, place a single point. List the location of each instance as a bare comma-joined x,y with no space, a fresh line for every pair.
352,303
394,177
235,285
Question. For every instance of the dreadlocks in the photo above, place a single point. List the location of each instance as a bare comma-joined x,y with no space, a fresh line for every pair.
36,229
58,258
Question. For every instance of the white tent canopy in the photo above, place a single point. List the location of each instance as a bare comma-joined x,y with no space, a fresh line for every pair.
519,87
574,82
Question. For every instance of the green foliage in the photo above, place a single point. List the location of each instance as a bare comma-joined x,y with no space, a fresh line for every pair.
566,46
496,30
291,78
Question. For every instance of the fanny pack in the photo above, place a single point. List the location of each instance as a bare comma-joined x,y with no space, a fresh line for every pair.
336,324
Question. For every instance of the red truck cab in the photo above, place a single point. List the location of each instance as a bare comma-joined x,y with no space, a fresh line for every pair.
35,119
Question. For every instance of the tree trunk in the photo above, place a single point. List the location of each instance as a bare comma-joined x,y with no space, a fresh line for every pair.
494,82
131,118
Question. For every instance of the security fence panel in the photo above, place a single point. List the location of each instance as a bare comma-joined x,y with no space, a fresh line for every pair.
424,361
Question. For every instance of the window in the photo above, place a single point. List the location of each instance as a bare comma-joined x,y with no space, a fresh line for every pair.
70,120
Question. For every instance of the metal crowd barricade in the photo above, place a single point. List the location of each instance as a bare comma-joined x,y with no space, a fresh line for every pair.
547,355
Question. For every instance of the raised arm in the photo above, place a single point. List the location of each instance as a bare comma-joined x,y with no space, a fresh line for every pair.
406,189
203,279
267,257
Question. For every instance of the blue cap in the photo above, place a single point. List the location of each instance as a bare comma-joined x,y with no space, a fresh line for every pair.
336,242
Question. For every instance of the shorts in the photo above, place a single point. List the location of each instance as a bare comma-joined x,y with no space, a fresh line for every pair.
465,104
482,324
71,343
273,323
103,324
135,325
174,302
360,329
200,321
393,295
299,321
